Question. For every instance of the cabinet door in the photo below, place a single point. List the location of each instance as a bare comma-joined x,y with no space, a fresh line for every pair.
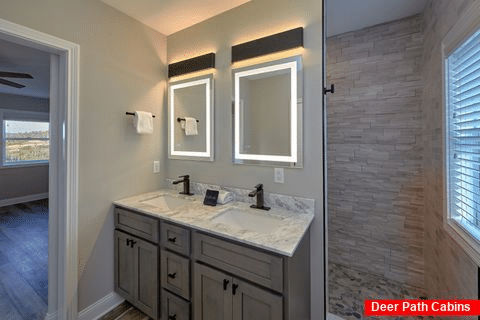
124,266
212,294
146,255
253,303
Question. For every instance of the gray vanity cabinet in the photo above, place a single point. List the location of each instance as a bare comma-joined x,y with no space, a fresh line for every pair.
137,260
182,270
136,272
218,296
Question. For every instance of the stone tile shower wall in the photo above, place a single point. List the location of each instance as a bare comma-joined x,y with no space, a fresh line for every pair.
449,272
375,146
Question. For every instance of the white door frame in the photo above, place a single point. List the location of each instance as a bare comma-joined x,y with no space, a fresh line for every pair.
63,169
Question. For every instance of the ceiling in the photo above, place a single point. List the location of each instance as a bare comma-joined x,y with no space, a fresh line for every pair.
349,15
18,58
170,16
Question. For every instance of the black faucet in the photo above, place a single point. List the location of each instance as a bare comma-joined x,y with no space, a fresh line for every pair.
259,193
186,184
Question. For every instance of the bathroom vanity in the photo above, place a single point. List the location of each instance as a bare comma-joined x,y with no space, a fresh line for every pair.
176,259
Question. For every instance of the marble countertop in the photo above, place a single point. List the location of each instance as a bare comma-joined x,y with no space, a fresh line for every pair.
283,239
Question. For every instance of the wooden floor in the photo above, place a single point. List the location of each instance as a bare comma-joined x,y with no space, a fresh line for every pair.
24,261
125,311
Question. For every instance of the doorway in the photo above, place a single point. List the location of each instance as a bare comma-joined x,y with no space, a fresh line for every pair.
63,164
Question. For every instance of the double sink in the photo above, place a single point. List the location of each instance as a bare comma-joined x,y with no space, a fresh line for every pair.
240,218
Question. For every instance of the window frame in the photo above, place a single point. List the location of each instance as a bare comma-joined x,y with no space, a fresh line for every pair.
17,115
468,237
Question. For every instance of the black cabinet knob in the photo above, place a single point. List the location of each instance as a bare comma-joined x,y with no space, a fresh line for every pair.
172,317
174,239
234,288
172,275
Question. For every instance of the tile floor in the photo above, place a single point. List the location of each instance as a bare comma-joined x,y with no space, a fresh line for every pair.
349,288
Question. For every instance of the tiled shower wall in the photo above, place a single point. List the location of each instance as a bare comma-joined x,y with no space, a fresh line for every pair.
375,146
449,272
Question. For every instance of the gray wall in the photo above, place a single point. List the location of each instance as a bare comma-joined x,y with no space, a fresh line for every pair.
25,181
375,185
24,103
122,68
250,21
449,272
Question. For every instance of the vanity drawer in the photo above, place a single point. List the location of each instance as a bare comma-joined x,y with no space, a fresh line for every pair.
175,273
175,238
254,265
142,226
174,308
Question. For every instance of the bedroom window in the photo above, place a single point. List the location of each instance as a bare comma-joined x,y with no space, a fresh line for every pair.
25,138
461,49
26,141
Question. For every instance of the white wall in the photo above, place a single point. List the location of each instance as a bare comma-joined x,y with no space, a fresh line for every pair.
122,68
250,21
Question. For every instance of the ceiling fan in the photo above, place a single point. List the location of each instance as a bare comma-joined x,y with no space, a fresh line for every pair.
4,74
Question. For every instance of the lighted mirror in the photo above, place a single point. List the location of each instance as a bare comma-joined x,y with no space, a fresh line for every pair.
268,104
190,119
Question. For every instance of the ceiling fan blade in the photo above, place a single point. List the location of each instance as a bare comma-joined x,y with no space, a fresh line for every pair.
11,84
5,74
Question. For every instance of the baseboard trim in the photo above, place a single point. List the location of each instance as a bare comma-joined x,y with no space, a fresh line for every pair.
33,197
101,307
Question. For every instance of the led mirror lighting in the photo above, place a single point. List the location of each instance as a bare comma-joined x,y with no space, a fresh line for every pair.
292,69
207,83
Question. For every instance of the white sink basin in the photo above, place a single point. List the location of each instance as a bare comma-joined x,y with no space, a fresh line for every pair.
167,202
248,220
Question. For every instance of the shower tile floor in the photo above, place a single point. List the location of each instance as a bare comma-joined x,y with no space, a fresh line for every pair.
349,288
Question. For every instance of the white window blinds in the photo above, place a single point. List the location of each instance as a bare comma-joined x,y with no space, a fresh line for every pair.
463,133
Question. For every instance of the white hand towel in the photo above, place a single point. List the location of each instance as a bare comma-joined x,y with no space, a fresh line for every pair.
143,122
191,126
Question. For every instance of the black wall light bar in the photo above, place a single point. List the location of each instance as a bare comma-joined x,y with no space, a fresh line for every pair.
278,42
206,61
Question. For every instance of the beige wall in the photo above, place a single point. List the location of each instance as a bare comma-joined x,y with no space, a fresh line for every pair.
449,272
251,21
122,68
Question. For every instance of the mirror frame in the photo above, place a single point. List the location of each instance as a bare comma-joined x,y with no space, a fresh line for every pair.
208,155
295,159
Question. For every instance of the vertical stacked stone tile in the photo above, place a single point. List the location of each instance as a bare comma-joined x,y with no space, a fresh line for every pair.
449,272
375,147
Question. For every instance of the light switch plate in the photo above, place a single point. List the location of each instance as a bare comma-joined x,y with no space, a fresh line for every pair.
156,166
278,175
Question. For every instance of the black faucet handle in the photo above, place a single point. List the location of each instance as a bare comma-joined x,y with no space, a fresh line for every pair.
186,176
259,186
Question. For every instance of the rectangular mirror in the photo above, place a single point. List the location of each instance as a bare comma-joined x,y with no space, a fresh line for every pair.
268,112
191,98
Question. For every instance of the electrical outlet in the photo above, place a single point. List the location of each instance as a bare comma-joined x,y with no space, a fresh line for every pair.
278,175
156,166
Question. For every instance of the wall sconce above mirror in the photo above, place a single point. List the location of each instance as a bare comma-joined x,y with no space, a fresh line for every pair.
268,113
190,111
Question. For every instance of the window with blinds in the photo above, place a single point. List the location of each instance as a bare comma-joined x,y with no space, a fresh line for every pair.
462,70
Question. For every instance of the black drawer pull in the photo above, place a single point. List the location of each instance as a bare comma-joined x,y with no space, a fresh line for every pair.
174,239
234,288
172,317
225,284
172,275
